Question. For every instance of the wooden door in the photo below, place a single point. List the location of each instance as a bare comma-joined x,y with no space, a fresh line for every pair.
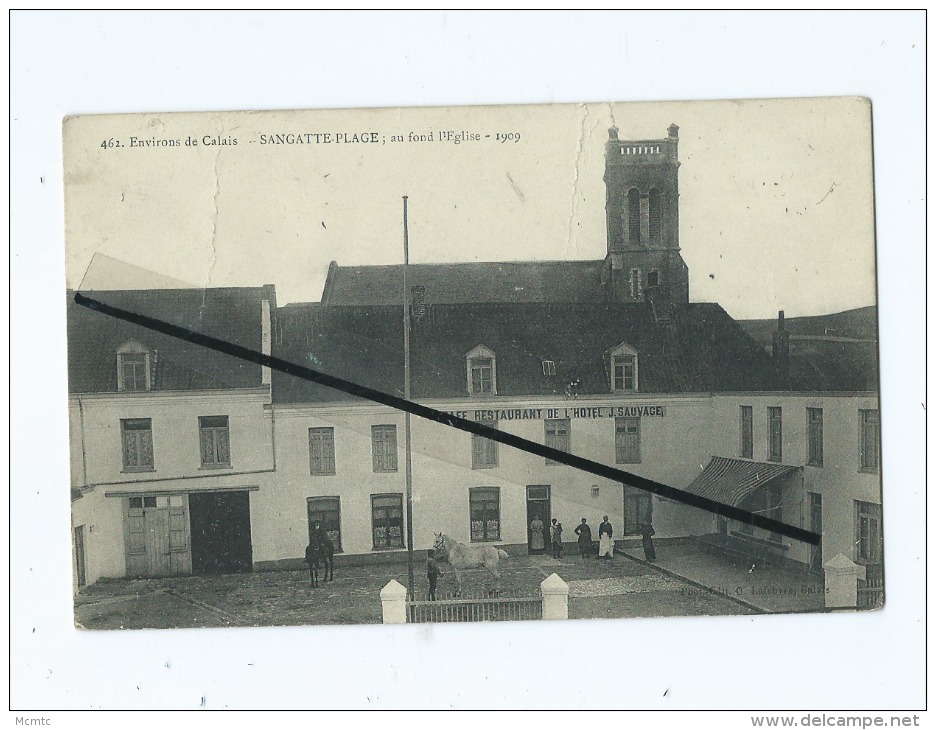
157,536
538,516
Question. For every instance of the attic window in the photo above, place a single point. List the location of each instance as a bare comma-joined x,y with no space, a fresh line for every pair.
482,371
549,367
624,369
133,367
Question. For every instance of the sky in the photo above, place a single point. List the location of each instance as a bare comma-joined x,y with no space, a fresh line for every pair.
776,197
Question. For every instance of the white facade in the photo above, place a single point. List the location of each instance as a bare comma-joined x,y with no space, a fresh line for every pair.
105,483
673,449
271,461
841,480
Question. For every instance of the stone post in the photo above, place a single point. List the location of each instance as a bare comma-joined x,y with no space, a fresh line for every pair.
393,603
555,598
841,582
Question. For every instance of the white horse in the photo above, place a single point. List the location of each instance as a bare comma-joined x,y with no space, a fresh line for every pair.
461,556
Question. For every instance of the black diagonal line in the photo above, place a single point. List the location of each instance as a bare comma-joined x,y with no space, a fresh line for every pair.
431,414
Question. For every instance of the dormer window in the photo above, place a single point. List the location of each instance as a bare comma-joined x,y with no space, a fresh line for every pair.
624,369
549,368
133,367
482,371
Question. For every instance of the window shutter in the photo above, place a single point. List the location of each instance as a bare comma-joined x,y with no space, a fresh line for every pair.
135,530
178,541
224,446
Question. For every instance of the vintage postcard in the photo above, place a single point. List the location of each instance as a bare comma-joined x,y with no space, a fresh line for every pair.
473,364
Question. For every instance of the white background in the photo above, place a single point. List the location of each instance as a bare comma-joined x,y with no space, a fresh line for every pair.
78,63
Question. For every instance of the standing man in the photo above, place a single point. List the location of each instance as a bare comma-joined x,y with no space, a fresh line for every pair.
646,535
584,538
605,543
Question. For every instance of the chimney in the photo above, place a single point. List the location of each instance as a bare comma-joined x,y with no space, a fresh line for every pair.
781,355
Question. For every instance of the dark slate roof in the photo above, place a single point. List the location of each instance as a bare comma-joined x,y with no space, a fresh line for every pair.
515,281
833,365
703,350
827,352
231,314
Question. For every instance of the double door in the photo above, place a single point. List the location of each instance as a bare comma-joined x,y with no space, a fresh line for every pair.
158,540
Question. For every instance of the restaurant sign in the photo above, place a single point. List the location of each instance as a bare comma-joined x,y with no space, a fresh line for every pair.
532,414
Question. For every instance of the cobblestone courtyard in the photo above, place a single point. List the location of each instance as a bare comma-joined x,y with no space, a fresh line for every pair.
597,589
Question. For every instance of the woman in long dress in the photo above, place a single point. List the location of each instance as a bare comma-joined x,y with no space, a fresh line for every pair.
537,540
584,538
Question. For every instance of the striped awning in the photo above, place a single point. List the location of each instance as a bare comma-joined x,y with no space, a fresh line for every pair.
729,481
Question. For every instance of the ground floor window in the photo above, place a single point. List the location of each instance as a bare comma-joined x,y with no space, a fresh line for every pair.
638,509
327,512
387,520
766,501
484,504
867,532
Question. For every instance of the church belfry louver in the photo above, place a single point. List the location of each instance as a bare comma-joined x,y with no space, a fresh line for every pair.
642,204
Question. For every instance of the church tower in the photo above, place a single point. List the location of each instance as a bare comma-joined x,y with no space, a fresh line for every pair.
642,187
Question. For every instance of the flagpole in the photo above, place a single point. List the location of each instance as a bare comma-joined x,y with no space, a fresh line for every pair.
407,396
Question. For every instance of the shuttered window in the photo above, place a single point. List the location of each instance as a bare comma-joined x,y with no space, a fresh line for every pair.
137,436
322,451
814,423
775,434
627,440
483,450
558,436
747,432
215,441
384,445
869,440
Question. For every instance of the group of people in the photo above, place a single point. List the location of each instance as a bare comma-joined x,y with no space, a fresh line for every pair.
605,539
585,541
